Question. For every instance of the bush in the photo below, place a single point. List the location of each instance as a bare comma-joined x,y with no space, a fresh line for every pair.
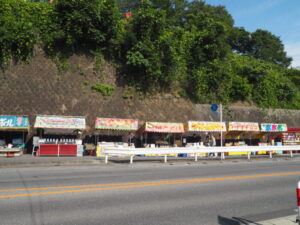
104,89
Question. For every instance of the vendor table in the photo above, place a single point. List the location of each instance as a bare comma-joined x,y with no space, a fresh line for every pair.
57,150
10,152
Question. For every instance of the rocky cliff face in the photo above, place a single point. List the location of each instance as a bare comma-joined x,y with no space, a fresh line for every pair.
39,88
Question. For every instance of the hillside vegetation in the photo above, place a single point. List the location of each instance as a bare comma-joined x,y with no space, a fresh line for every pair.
187,48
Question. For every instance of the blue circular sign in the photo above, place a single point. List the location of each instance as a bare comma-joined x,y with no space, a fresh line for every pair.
214,107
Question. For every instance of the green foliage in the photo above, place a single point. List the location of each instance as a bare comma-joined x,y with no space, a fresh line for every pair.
266,46
87,25
62,64
104,89
127,95
17,30
99,60
240,40
260,44
178,46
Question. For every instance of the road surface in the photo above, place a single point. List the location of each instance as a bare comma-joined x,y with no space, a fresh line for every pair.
150,193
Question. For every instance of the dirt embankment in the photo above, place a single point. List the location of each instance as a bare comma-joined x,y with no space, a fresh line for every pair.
39,88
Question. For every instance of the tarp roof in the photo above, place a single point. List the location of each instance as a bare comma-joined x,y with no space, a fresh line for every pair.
14,123
161,127
201,126
60,122
116,124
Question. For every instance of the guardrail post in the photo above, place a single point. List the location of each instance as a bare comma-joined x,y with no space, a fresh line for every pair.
106,158
196,157
248,155
291,154
222,155
165,158
131,159
270,152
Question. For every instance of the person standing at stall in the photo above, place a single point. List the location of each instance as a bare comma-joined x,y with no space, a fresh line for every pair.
212,143
206,141
196,139
132,140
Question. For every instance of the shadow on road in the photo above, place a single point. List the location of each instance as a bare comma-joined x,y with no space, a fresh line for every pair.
234,221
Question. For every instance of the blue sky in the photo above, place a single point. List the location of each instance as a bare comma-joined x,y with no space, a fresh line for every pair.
281,17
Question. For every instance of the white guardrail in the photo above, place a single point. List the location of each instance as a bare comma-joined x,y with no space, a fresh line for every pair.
107,151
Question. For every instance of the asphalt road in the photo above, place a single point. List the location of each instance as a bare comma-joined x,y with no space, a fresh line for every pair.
149,193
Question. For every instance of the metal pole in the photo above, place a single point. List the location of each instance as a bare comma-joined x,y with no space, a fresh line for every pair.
221,119
23,146
97,139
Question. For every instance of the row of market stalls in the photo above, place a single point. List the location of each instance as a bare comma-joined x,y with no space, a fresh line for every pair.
66,135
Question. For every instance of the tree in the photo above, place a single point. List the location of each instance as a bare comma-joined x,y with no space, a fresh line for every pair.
294,75
88,25
240,40
199,13
143,57
266,46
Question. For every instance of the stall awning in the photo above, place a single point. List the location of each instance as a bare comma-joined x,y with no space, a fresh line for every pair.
116,124
243,126
14,122
273,127
199,126
159,127
60,122
294,129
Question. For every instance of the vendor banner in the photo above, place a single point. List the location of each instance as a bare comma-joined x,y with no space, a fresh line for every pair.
59,122
243,126
273,127
195,126
164,127
116,124
14,122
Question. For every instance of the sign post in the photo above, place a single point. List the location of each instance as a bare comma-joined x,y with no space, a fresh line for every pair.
214,108
221,120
